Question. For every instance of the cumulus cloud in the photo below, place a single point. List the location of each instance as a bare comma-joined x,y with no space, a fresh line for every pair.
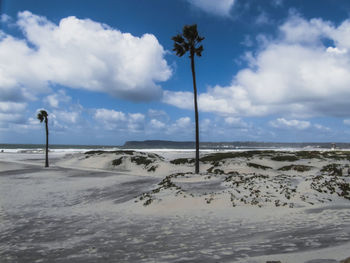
217,7
236,122
282,123
159,115
220,100
117,120
55,99
68,117
11,112
81,54
156,124
298,74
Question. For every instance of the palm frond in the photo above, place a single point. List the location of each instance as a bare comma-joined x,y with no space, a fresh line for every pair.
42,115
199,51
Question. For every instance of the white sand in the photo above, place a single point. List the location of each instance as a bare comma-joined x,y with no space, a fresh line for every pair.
308,225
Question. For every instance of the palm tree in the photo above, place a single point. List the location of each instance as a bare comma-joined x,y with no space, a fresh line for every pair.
189,41
42,116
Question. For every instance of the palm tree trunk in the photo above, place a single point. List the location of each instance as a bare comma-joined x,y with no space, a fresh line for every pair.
47,145
195,112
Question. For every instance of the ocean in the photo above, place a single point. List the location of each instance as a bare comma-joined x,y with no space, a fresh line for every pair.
33,148
149,146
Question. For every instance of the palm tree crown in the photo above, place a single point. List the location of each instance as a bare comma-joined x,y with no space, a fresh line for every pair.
188,41
42,115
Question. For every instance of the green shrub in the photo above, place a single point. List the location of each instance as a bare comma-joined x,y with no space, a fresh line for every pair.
298,168
117,162
182,161
333,169
258,166
285,158
139,160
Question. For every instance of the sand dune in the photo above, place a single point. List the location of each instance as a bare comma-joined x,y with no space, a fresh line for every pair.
149,207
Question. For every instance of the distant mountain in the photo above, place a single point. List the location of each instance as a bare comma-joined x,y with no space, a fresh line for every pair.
159,144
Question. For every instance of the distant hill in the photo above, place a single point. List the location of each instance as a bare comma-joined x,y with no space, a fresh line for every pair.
159,144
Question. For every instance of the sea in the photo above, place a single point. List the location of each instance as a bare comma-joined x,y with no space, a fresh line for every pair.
38,148
62,148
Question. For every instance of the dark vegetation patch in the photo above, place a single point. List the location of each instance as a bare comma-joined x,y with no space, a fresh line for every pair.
333,169
110,152
285,158
258,166
309,155
337,155
145,159
182,161
153,156
331,185
217,157
166,183
152,168
141,160
117,162
215,170
294,167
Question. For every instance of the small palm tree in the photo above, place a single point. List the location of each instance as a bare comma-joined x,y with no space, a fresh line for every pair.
42,116
189,41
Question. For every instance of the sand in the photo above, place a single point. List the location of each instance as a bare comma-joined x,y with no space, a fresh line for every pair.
114,207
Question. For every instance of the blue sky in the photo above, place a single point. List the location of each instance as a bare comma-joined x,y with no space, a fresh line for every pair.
104,70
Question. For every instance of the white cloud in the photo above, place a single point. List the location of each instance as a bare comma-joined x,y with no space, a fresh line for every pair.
220,100
109,115
346,121
120,121
294,75
282,123
336,50
69,117
183,122
5,18
8,107
181,99
263,19
321,127
155,124
55,99
11,118
277,3
159,115
234,122
81,54
12,112
217,7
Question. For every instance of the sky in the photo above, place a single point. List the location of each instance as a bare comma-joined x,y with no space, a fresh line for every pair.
271,71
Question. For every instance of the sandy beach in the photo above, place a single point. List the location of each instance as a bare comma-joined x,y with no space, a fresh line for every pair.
129,206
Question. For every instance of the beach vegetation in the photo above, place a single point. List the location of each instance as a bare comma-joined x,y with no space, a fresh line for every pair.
189,41
294,167
99,152
141,160
117,162
333,169
217,157
285,158
258,166
182,161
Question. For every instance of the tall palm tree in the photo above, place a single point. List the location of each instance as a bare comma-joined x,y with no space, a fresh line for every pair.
189,41
42,116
